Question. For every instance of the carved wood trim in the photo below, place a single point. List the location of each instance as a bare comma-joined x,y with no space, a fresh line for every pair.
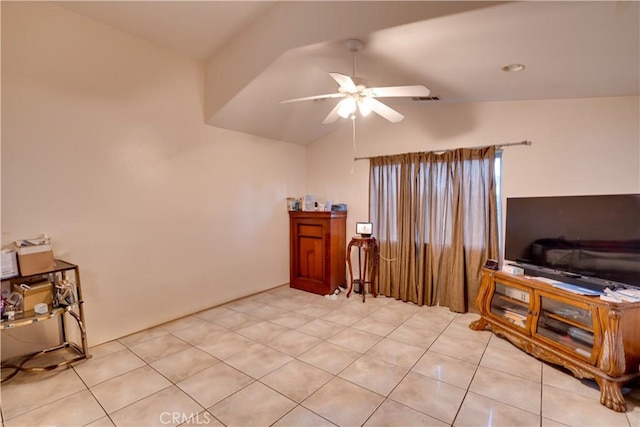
481,298
478,325
611,395
612,358
539,352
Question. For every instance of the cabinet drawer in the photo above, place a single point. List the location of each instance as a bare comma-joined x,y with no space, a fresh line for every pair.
310,230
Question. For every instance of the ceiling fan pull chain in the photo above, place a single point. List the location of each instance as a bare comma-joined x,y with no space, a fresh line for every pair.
353,121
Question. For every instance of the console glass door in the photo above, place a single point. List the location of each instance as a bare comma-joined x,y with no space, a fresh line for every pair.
511,303
570,325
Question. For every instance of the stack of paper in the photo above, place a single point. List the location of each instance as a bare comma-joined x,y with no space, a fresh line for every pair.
42,240
621,295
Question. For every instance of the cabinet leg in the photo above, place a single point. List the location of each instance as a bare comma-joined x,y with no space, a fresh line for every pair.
478,325
611,395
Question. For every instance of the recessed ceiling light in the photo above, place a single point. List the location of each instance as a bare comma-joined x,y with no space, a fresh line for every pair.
513,68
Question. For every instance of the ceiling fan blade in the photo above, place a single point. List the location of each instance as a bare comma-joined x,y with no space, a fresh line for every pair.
385,111
333,115
345,82
400,91
309,98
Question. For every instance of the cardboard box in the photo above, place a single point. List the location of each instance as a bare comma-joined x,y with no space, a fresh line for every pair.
35,259
35,293
512,269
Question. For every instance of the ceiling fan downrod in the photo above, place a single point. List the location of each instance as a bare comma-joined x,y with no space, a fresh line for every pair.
354,46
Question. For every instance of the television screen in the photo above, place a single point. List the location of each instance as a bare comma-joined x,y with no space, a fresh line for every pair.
586,236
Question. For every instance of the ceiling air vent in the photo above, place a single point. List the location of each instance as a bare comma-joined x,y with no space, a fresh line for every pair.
425,98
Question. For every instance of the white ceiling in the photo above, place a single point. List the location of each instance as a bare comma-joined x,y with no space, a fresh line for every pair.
259,53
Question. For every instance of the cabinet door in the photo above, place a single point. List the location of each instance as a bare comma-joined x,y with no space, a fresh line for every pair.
568,325
310,257
309,253
511,303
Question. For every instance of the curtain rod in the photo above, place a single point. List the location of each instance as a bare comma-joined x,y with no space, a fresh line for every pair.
498,146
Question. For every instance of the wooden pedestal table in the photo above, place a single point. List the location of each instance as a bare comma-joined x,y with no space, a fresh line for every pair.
367,264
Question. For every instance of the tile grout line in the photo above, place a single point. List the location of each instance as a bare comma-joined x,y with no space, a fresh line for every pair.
343,307
408,372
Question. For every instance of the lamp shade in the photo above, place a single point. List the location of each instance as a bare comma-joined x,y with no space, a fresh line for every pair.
364,105
347,107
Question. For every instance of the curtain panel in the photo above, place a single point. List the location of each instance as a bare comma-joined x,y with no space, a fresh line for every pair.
435,217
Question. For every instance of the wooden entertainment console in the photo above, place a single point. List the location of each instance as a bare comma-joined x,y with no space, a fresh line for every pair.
590,337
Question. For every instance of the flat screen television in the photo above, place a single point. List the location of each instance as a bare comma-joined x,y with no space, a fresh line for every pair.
591,241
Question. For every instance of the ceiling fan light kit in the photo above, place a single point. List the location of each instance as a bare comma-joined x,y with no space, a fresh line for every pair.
347,107
357,97
365,106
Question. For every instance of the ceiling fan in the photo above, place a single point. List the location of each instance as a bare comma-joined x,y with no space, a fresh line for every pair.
356,96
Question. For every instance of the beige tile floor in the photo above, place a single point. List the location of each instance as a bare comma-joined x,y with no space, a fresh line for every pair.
290,358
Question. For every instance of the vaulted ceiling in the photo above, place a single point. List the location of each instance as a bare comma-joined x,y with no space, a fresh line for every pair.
259,53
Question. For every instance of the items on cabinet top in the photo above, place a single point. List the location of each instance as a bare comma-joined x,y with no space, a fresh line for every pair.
569,287
619,293
613,294
309,203
23,296
28,257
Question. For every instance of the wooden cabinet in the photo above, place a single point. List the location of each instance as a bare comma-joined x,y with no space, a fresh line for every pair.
592,338
317,250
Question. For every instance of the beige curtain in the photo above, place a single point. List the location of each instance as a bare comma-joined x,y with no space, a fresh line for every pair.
436,221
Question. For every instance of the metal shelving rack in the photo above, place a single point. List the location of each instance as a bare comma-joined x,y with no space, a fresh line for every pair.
62,271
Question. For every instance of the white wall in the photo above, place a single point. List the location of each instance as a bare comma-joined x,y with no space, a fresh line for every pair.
104,147
580,146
